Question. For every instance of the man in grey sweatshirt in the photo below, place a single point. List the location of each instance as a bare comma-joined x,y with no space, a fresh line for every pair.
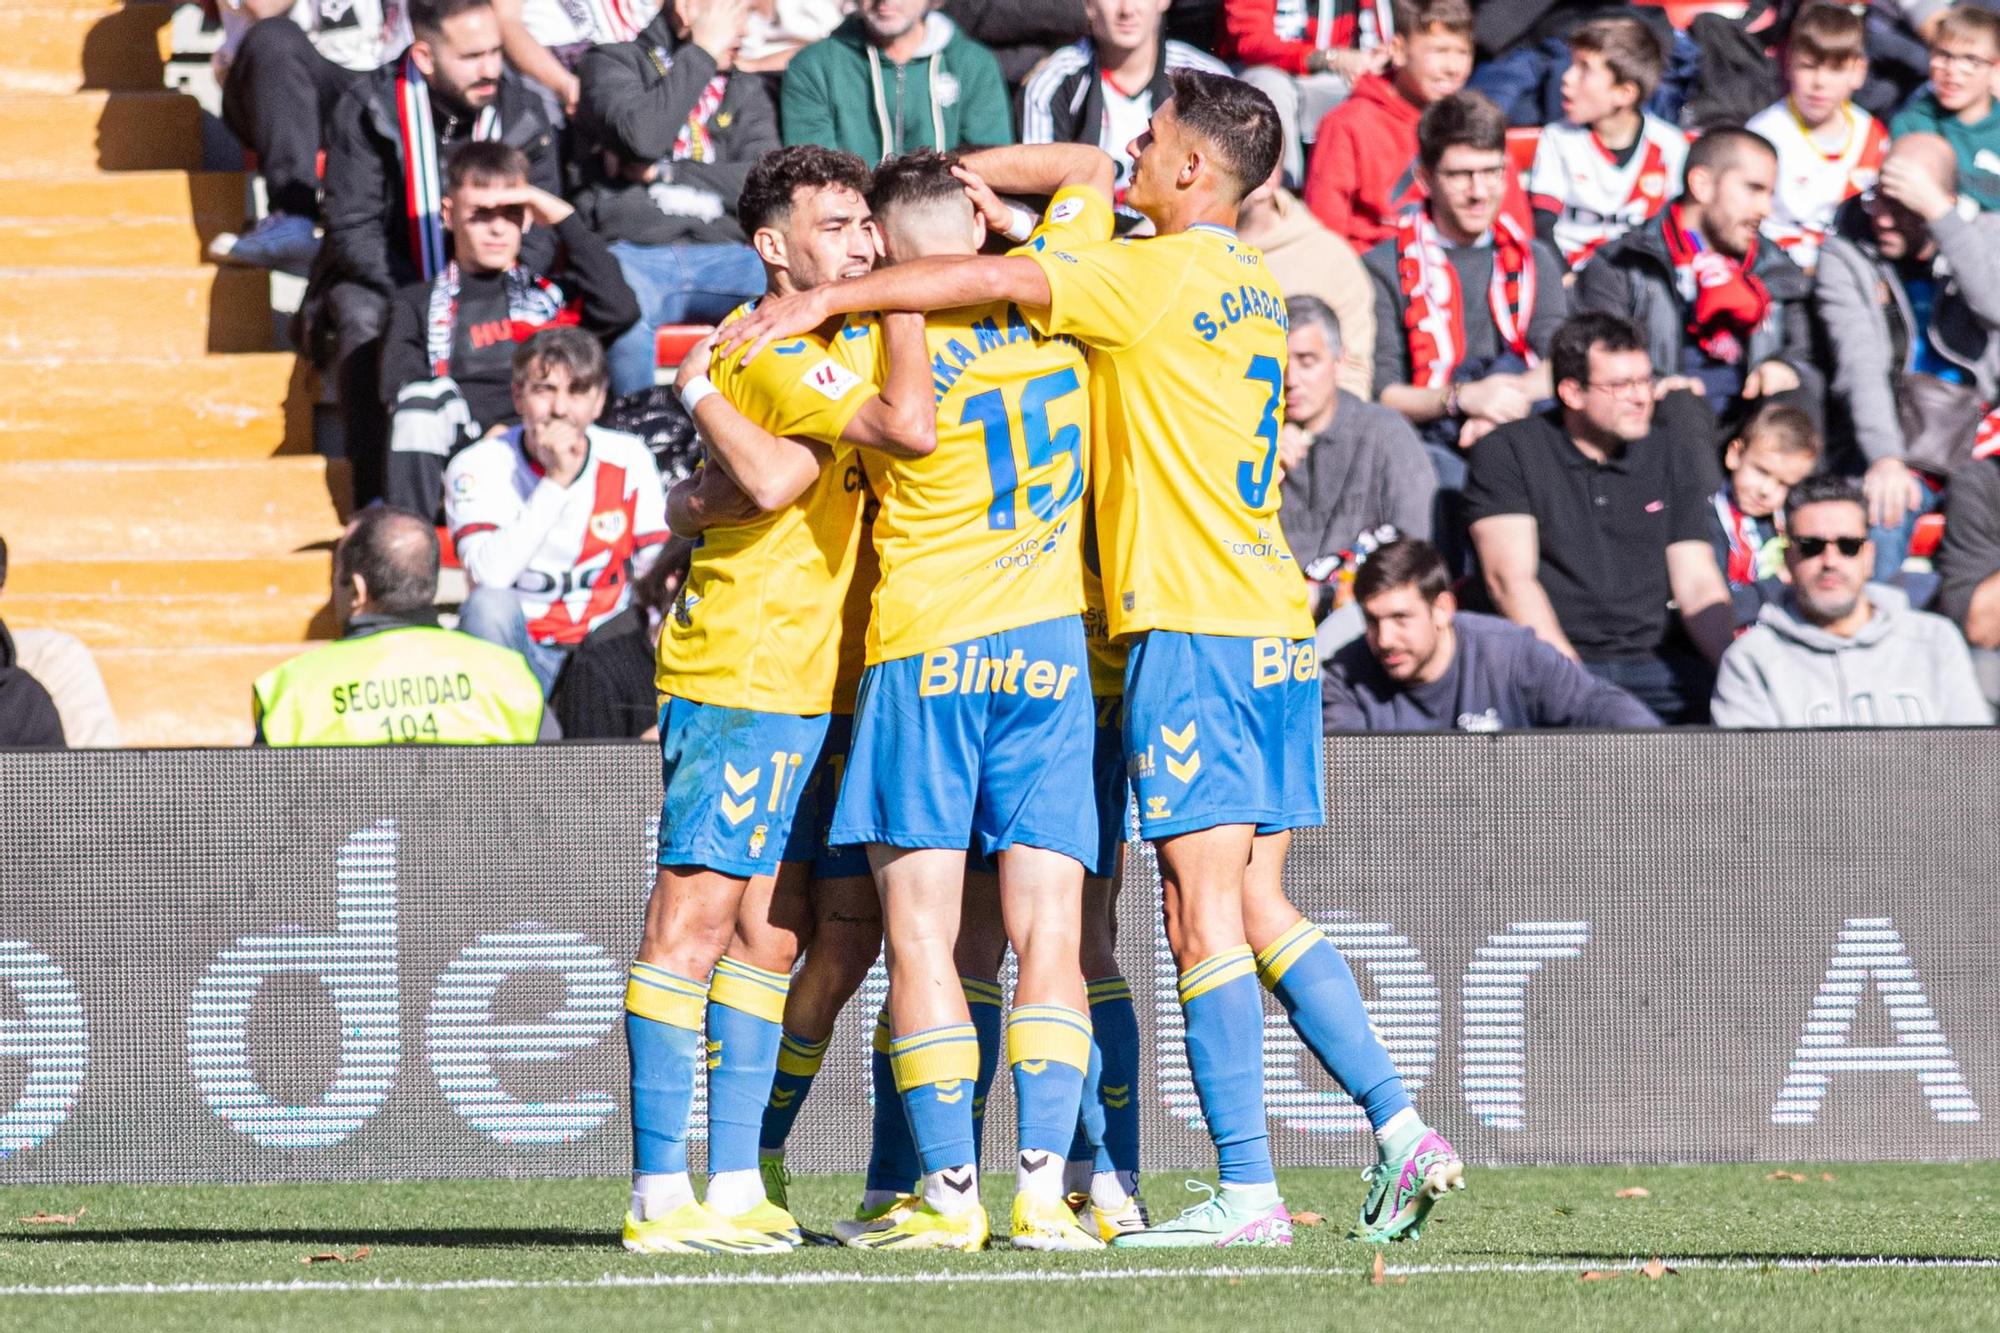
1838,650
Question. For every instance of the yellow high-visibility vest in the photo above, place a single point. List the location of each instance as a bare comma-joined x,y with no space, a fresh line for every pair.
414,684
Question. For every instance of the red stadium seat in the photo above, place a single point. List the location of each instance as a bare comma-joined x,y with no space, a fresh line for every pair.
676,340
1683,12
1925,537
1521,144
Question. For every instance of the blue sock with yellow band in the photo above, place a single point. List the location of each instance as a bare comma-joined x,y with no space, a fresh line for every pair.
798,1065
982,1002
1114,1028
1048,1048
1225,1050
892,1154
663,1015
1310,978
936,1070
746,1007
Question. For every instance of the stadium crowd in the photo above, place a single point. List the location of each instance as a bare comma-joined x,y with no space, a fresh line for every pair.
1591,317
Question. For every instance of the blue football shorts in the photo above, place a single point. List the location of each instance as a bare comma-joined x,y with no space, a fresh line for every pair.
733,781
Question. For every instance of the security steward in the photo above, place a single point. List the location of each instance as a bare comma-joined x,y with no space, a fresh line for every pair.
394,676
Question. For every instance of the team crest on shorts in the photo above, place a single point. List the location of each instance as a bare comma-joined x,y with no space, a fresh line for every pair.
757,837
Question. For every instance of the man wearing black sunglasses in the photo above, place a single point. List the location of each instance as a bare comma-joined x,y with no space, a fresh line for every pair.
1836,650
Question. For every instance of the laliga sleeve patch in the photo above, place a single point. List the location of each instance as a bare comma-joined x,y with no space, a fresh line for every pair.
464,484
1064,211
832,380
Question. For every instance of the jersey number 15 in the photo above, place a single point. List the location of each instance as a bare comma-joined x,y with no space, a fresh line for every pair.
989,412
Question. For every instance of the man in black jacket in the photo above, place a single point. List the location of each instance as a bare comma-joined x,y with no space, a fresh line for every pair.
28,717
385,148
452,339
1718,304
676,132
1104,89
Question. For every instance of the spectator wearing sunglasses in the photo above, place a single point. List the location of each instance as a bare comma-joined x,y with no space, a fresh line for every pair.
1837,650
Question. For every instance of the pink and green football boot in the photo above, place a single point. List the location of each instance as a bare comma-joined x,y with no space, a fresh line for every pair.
1405,1185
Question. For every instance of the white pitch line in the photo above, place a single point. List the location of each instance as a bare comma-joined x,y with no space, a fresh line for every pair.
618,1281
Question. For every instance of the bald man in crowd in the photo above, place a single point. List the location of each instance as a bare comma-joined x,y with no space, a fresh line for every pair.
1908,292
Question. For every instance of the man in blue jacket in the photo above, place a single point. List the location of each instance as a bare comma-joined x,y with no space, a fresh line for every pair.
1424,666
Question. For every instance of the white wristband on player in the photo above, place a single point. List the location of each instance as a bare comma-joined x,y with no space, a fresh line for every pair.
697,389
1021,223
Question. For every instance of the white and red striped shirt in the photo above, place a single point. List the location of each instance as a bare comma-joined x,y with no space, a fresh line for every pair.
569,552
1595,198
1813,183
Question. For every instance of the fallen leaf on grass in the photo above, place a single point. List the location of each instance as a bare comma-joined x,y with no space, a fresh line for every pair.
1827,1176
1657,1270
336,1257
1594,1275
1307,1219
1787,1177
42,1219
1634,1192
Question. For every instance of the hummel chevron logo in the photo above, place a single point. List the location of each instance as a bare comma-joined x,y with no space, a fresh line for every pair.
715,1055
959,1182
781,1098
739,783
1178,740
1184,770
951,1093
1034,1161
1117,1098
1034,1066
738,811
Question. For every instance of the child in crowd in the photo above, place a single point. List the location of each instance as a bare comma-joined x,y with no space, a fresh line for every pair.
1609,165
1829,150
1775,451
1958,104
1361,175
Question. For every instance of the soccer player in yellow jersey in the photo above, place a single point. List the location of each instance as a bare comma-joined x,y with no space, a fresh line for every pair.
747,666
1187,338
974,719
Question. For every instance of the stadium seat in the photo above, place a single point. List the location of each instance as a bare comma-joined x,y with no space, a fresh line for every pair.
674,342
1683,12
1924,538
1521,144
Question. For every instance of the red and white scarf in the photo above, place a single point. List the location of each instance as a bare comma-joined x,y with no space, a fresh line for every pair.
1435,314
1986,442
533,303
423,175
607,21
694,143
1727,298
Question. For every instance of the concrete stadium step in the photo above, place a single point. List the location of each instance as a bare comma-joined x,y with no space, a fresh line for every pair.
109,620
54,47
122,603
170,511
76,134
140,219
161,313
187,696
251,405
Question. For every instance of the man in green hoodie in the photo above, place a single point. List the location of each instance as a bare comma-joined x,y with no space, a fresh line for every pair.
894,77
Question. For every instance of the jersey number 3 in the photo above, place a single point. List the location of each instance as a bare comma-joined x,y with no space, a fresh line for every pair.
1253,480
989,412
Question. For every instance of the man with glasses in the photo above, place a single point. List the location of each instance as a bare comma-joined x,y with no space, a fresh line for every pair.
1908,293
1589,522
1958,103
1838,651
1466,299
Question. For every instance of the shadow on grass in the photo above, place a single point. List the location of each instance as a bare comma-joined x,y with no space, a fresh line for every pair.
334,1237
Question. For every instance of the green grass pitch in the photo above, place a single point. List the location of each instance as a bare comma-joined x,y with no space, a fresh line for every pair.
1874,1247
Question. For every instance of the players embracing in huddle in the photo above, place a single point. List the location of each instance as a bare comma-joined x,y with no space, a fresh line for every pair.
1077,388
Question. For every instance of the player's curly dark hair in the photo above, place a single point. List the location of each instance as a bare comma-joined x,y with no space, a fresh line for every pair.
920,177
1238,121
769,190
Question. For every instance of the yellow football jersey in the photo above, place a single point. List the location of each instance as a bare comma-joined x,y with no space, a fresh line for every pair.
1187,339
985,533
757,623
1107,655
